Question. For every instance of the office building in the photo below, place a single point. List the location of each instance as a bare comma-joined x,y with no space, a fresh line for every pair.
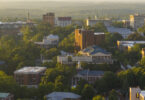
29,76
49,18
85,38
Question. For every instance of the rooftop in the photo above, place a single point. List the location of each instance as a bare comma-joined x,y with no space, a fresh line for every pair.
2,62
18,22
64,18
4,95
30,70
51,36
90,73
143,93
130,43
122,31
99,33
62,95
92,50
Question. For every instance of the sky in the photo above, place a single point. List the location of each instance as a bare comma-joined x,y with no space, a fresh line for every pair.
81,0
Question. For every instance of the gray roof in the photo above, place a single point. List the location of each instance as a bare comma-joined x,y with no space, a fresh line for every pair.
4,95
30,70
119,30
2,62
92,50
90,73
143,93
62,95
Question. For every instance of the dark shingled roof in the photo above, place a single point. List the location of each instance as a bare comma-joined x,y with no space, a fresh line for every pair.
94,49
91,73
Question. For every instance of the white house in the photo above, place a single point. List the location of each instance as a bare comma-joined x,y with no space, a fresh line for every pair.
48,41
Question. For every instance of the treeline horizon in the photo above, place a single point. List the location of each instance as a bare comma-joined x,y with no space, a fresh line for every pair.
78,10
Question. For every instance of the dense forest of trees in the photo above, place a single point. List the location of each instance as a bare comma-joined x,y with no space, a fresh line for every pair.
18,51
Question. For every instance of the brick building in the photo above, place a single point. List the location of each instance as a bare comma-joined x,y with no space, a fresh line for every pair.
49,18
85,38
29,76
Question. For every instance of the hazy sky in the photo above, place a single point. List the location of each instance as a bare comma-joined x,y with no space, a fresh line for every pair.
83,0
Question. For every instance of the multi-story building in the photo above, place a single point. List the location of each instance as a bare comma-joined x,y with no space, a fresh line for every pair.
136,21
49,18
85,38
135,93
91,54
107,22
127,45
63,21
6,96
49,41
62,96
13,27
29,76
90,76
